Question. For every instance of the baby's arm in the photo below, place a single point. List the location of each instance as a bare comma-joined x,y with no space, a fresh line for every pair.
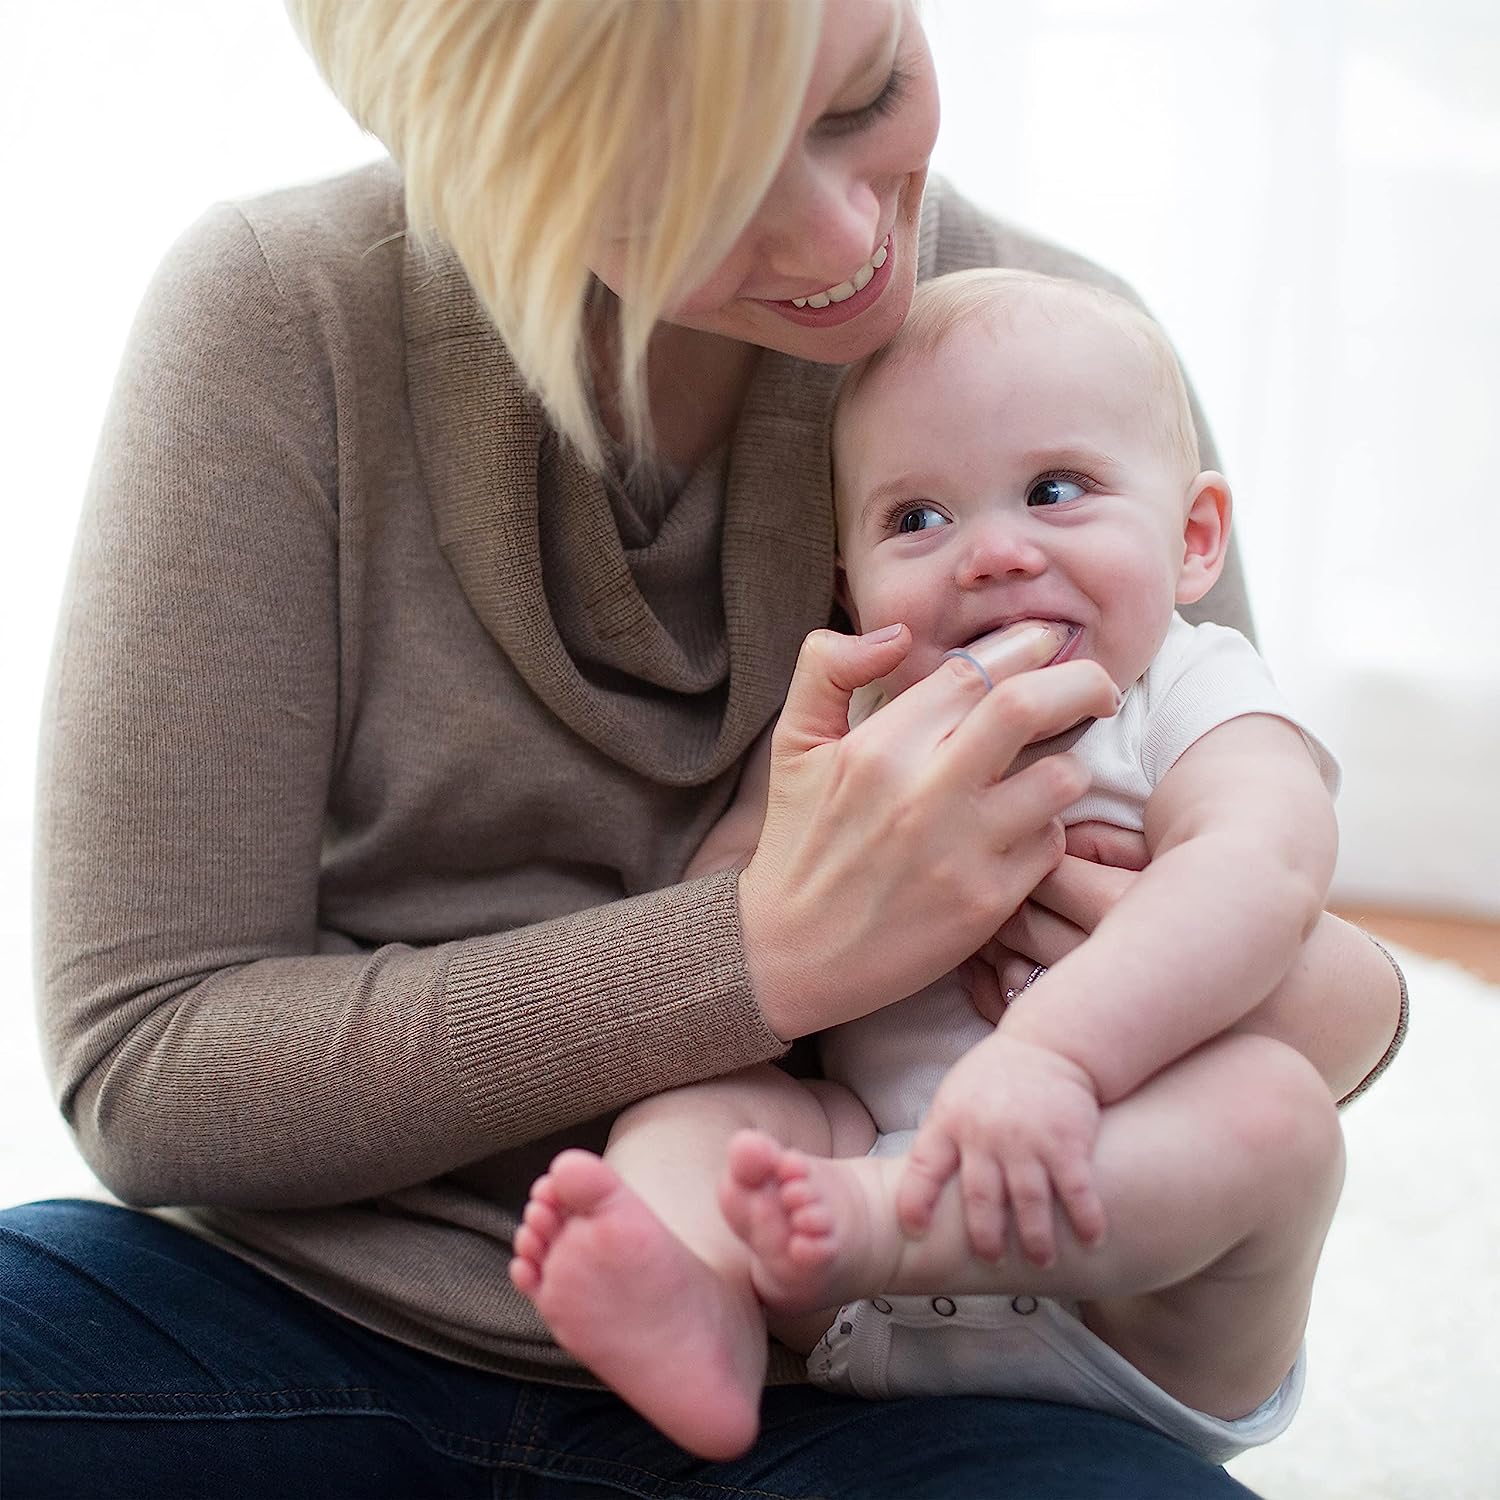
1242,839
732,840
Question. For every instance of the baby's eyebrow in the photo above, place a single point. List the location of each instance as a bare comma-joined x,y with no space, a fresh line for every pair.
903,486
1068,456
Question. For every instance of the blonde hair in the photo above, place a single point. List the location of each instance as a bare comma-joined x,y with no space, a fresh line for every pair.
947,303
521,127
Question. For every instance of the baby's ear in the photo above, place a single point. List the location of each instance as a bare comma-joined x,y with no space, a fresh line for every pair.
1205,536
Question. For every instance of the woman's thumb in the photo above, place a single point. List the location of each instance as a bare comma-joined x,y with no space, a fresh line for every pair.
829,668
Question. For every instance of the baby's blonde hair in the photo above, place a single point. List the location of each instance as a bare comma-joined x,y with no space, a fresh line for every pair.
962,298
522,127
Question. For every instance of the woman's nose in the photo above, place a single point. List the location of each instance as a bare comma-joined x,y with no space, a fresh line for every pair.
998,548
827,219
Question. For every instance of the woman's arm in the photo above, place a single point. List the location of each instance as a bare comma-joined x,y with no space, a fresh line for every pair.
732,840
208,1041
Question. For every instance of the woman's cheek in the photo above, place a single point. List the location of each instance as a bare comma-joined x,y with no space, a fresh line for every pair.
710,296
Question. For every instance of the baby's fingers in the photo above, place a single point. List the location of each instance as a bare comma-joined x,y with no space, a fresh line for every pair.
1031,1203
932,1161
1074,1182
981,1182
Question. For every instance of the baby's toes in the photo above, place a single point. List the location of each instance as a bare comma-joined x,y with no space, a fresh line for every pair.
542,1219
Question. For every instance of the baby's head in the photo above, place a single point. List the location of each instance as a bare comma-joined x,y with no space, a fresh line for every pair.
1023,448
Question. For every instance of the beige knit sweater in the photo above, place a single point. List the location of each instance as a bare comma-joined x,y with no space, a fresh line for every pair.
379,733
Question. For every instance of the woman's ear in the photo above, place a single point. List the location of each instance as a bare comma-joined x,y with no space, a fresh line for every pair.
1205,536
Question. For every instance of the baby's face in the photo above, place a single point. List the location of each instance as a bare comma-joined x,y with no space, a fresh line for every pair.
1020,472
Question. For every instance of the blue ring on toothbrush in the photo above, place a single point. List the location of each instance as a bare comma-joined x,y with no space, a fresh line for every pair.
974,661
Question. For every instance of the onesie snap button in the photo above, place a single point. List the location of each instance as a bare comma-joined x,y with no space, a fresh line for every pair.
880,1305
1023,1305
944,1307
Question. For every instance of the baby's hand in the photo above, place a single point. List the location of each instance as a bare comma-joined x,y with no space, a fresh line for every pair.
1017,1123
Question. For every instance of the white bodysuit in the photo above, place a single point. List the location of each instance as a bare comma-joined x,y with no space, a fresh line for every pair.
894,1060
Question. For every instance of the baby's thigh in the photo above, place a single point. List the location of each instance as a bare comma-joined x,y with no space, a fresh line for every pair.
1220,1177
824,1119
851,1130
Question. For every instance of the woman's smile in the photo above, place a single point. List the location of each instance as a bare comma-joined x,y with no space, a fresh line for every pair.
848,299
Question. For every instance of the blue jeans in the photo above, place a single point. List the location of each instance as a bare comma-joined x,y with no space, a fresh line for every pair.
142,1362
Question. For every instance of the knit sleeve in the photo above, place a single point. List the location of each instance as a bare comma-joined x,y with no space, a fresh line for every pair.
207,1043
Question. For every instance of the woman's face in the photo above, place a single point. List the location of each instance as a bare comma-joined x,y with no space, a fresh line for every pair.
848,194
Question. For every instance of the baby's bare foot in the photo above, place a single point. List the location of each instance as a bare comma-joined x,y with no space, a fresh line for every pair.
628,1299
814,1231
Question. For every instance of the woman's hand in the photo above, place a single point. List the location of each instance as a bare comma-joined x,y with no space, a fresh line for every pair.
891,852
1067,904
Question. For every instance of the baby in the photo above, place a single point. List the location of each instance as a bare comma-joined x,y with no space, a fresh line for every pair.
1119,1198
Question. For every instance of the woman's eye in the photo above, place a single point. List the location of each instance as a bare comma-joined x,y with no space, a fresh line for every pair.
920,518
1054,491
886,102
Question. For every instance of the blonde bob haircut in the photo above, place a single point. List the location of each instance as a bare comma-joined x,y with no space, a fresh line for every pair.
528,131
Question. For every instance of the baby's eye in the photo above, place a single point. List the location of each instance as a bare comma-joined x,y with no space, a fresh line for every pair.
920,518
1054,490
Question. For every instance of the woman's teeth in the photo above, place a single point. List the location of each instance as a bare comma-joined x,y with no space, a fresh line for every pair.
846,289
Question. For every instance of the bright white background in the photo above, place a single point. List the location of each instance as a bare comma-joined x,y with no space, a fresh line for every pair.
1307,192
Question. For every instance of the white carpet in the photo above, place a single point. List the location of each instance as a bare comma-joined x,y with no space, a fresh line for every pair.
1403,1390
1403,1396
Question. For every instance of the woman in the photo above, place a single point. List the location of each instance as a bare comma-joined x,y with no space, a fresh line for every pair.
405,665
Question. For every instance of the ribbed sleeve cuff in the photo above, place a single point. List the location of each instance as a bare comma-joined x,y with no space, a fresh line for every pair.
1389,1055
563,1021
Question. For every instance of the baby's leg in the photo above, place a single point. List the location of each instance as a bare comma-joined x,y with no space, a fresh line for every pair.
630,1263
1219,1177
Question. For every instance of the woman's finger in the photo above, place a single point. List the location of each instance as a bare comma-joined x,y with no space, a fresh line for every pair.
1033,799
1020,647
1105,844
1013,972
1039,935
984,984
1082,892
1032,706
1012,869
830,666
914,724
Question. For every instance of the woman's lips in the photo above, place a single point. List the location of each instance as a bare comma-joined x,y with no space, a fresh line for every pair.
851,307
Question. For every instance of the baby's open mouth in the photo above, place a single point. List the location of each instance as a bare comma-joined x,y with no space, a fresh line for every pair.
1020,645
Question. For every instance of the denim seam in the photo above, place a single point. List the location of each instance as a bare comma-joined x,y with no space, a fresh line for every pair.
291,1390
575,1461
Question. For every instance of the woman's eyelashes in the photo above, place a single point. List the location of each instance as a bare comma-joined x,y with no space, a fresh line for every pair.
885,103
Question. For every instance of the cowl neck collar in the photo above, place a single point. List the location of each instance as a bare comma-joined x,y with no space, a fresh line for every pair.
668,657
